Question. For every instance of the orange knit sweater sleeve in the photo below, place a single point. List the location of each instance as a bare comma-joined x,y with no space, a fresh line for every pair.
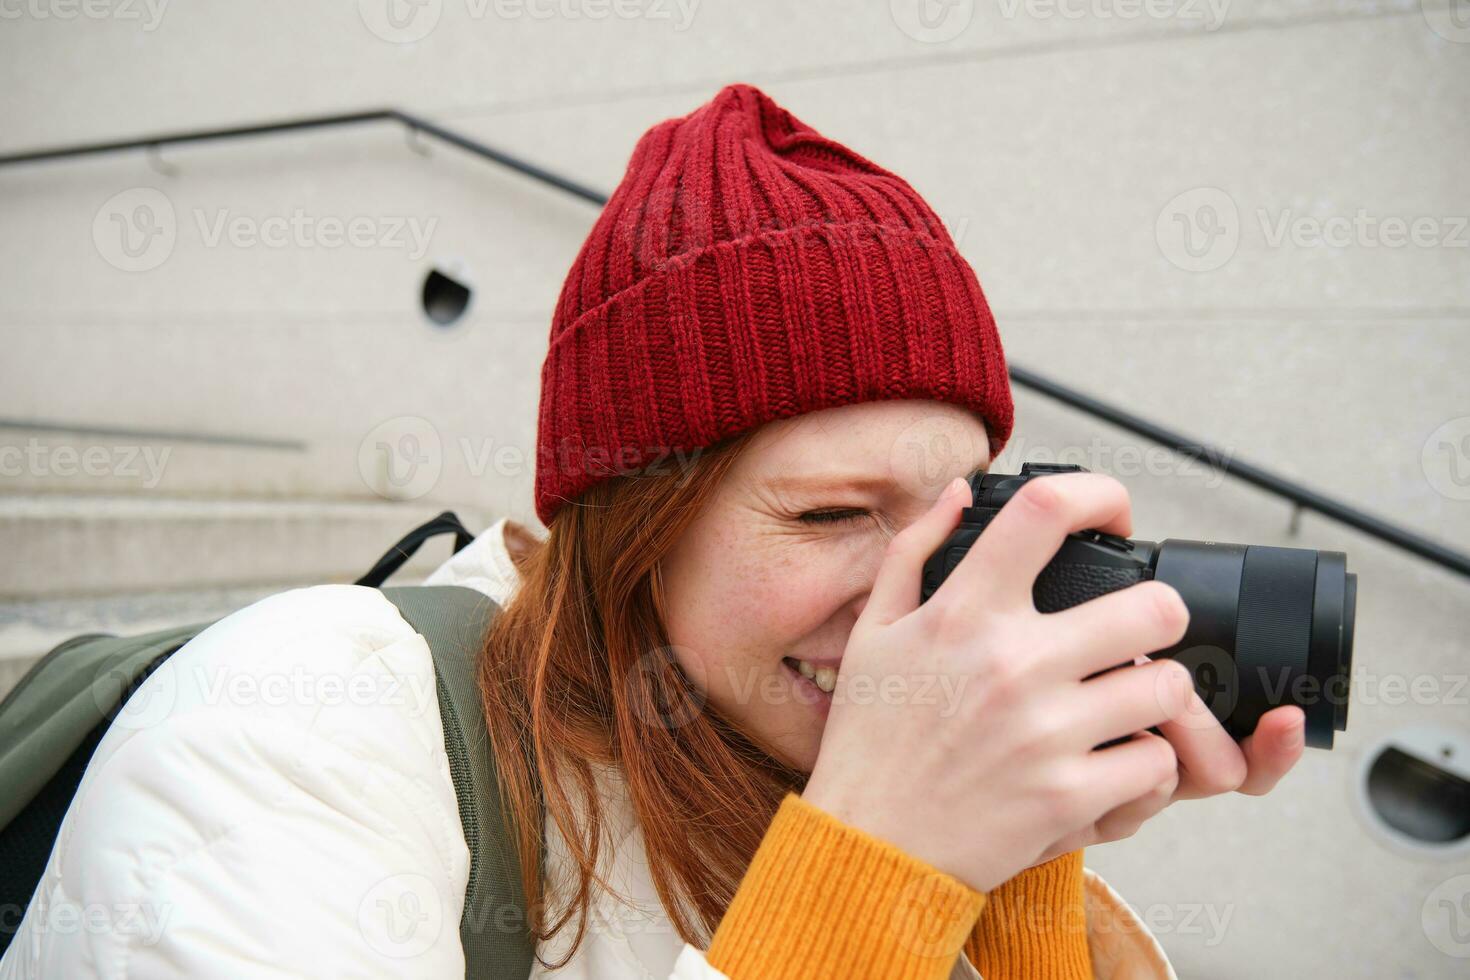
1034,926
822,899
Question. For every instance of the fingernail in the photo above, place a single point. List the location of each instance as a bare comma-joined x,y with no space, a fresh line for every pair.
1298,736
956,487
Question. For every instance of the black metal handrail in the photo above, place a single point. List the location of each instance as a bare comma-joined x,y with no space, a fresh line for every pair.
1303,497
412,122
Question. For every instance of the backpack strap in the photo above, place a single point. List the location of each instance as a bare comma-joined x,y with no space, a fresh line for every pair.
74,690
493,930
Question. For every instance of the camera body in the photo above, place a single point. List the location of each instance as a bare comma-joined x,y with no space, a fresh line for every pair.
1268,625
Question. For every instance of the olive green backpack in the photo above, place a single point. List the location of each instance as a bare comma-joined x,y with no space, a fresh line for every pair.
52,721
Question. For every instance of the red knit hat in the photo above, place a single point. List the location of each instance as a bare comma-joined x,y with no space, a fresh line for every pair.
748,269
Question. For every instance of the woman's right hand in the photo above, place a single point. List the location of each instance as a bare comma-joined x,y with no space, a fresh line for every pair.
980,783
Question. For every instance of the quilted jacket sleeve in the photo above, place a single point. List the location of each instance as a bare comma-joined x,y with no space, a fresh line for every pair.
273,802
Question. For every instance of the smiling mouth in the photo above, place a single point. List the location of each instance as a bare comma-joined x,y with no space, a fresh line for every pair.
823,679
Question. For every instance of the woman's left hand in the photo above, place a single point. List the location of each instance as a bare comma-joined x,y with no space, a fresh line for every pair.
1210,763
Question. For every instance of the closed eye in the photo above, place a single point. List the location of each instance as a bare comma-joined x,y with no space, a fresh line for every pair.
830,516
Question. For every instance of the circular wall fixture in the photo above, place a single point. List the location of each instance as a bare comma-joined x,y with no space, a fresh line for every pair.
445,296
1413,790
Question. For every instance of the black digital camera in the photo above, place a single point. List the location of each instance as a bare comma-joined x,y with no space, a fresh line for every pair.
1267,625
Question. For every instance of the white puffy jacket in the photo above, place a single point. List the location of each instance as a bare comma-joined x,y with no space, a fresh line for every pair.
276,801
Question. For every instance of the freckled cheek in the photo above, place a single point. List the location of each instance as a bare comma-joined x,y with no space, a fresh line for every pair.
779,606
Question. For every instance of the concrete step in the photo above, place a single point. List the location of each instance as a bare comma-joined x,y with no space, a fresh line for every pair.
72,546
30,627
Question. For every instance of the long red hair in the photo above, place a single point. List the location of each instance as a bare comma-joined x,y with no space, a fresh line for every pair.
577,671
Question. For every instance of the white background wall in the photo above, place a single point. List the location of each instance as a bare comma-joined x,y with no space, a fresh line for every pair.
1068,146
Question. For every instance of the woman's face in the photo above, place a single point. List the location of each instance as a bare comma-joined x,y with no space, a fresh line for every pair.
766,584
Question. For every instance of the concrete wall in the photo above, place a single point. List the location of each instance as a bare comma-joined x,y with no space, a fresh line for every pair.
1243,219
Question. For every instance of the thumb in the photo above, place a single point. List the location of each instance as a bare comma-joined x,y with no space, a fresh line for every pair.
895,591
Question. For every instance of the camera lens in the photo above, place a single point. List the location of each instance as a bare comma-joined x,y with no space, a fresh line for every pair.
1284,619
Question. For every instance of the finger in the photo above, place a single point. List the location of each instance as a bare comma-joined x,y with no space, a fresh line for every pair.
1121,774
1124,702
1024,536
1123,821
1118,627
895,591
1210,763
1273,748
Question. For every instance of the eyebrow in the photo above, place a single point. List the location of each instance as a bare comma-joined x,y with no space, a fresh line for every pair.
846,481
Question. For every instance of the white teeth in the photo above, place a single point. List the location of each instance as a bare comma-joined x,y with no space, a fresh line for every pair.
807,670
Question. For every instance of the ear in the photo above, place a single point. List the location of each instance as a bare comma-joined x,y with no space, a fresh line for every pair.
519,542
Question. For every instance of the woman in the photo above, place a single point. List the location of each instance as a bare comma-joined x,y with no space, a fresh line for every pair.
751,751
